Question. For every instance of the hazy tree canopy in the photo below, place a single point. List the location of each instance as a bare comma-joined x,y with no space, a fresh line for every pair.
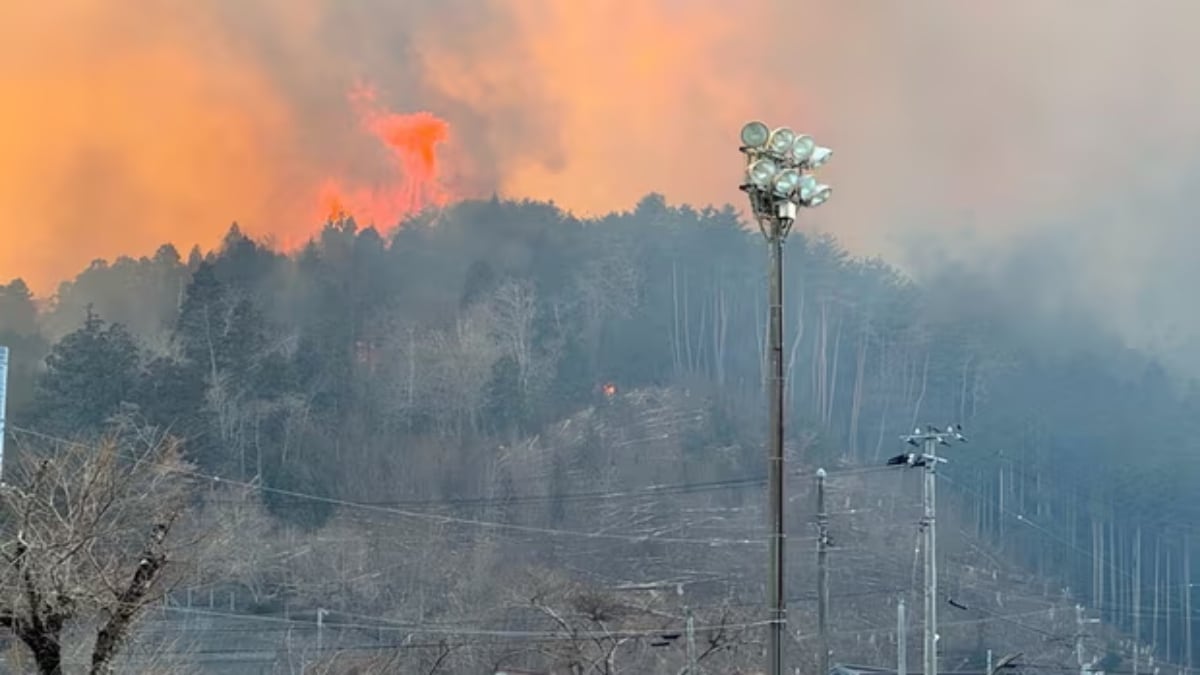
89,374
417,365
21,333
18,314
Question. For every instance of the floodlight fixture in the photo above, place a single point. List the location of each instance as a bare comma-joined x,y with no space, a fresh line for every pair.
820,195
761,172
806,187
755,135
801,149
819,156
780,141
786,182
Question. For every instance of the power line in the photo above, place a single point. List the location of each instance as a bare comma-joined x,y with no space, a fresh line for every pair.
448,519
444,629
439,518
891,630
1021,518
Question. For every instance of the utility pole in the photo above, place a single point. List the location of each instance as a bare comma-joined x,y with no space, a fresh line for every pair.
901,638
1137,598
320,630
693,668
929,498
1079,639
1187,601
928,441
1085,668
822,573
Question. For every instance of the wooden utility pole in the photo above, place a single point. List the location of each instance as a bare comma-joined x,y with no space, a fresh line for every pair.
1137,596
1085,668
822,573
1167,608
692,668
1079,658
1157,592
321,612
1187,601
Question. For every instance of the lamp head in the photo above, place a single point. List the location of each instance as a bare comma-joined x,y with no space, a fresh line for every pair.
819,196
819,156
761,172
801,149
806,187
755,135
786,182
780,141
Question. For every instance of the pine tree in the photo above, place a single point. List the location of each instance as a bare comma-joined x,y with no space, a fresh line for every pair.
89,374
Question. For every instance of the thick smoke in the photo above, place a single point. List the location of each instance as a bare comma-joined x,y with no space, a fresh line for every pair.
958,127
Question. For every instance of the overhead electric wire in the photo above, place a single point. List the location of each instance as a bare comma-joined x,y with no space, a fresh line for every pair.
449,519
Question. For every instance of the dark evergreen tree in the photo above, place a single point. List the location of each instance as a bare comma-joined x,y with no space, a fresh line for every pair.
18,314
19,331
171,396
202,321
89,374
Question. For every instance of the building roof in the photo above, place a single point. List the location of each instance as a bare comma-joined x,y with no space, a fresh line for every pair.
848,669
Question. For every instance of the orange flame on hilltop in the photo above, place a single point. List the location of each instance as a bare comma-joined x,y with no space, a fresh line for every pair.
411,141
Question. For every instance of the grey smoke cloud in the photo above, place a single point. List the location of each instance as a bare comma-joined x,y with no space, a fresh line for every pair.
966,127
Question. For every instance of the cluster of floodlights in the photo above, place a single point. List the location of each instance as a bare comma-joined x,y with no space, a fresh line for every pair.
778,165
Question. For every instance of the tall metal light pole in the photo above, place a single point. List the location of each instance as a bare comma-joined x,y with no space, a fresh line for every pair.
928,441
778,183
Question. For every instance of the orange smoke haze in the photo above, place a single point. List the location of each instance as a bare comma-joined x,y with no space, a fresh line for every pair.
412,142
131,124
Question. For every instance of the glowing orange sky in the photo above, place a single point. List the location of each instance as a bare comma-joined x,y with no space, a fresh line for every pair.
129,124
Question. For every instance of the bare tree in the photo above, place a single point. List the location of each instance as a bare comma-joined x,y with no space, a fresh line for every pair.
513,308
433,658
458,364
589,630
91,537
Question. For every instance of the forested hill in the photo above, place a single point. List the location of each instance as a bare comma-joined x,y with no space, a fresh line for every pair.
388,368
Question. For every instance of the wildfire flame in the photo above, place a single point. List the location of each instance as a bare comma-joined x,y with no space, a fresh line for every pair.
411,141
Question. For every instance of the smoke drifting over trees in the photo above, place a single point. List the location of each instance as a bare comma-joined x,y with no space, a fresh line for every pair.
966,122
523,426
499,384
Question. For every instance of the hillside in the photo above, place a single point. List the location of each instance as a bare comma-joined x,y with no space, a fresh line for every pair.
498,396
604,522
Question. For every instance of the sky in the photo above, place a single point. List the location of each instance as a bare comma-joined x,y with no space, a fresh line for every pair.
963,132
